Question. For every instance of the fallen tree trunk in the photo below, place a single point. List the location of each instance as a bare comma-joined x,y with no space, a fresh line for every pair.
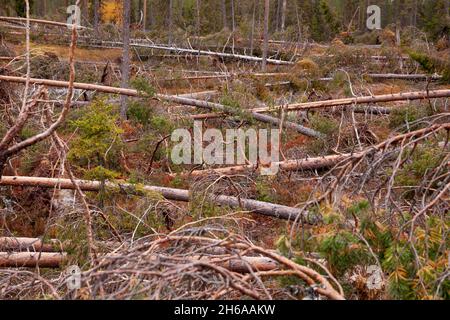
288,165
54,260
31,259
264,208
38,21
257,116
171,98
142,44
356,109
28,244
382,76
416,95
397,76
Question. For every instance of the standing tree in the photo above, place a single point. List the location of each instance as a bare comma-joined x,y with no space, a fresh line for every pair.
96,16
266,34
144,16
283,15
170,20
224,13
125,56
233,21
252,31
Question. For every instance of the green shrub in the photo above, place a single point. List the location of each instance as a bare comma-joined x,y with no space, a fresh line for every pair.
98,142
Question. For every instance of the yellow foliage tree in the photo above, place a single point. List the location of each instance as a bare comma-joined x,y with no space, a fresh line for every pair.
111,11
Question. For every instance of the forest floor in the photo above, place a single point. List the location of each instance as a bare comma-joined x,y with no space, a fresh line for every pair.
356,224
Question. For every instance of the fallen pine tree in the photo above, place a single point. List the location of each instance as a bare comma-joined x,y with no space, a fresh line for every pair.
171,98
288,165
260,207
382,76
28,244
356,109
415,95
143,44
39,21
318,162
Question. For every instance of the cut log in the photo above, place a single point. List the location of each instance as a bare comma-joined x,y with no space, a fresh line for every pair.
31,259
171,98
264,208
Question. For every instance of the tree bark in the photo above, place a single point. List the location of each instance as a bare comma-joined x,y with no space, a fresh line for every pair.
125,57
264,208
266,35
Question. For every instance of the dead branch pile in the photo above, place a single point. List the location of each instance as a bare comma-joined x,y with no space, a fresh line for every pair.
196,261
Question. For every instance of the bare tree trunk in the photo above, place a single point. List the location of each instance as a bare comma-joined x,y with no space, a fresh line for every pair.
233,21
85,12
144,18
252,33
266,35
44,8
224,13
283,15
277,18
125,57
170,18
96,17
197,26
